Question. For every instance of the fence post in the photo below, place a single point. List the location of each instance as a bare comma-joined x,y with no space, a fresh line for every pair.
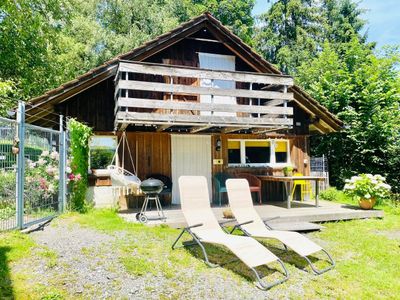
61,183
20,164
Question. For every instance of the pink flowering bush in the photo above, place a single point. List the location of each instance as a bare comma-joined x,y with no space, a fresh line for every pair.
42,176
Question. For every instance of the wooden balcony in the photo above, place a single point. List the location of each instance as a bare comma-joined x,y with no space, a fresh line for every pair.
193,99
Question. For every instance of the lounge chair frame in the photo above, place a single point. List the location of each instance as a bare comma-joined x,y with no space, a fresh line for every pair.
314,269
196,240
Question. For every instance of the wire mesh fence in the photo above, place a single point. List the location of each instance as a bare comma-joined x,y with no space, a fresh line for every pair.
42,165
32,172
8,164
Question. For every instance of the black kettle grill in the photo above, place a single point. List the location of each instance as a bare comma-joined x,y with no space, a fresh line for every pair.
151,187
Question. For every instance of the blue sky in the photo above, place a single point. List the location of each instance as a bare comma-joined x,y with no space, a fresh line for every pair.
383,18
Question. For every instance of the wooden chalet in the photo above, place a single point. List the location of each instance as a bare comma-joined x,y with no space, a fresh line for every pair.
195,100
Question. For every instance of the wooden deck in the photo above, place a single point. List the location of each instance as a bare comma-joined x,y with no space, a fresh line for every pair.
297,218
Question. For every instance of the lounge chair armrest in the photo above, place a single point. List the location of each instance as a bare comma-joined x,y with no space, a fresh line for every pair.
270,219
226,222
245,223
194,226
239,226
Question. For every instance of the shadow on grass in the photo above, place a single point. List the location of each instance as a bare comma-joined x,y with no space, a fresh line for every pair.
224,258
6,288
291,257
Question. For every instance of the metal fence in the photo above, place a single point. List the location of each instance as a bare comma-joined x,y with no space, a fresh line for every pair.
319,167
8,173
32,172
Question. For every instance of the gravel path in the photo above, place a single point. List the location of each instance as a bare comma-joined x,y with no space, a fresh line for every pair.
85,264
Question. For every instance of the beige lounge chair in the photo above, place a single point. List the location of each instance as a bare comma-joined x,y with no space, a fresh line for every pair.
204,228
251,224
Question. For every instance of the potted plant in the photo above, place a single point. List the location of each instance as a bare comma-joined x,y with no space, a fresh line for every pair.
288,171
367,189
227,213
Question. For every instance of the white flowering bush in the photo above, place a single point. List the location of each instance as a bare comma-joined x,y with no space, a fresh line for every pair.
367,186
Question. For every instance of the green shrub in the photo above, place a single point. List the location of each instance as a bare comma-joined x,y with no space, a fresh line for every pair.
332,194
7,194
100,157
79,138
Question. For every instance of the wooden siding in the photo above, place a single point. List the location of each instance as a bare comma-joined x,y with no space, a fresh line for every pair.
94,106
152,154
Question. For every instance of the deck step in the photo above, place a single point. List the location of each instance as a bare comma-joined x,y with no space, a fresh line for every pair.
296,226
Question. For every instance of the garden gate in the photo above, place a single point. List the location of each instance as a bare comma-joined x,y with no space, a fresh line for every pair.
33,169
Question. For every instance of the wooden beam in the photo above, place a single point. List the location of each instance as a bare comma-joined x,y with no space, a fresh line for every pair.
157,118
163,127
198,129
190,106
192,72
233,129
199,90
265,130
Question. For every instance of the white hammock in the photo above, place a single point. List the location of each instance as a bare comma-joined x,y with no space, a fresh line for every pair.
124,181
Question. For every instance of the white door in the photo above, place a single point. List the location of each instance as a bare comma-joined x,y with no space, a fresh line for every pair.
217,62
190,155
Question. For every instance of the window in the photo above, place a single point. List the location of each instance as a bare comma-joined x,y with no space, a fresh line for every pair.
281,152
102,150
258,152
234,152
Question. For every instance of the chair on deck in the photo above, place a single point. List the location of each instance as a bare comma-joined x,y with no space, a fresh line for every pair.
251,224
305,187
254,183
204,228
219,184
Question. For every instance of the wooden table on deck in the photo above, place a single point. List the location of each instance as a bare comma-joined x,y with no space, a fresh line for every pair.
288,184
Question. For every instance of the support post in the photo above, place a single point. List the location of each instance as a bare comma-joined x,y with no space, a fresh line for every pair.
61,182
20,164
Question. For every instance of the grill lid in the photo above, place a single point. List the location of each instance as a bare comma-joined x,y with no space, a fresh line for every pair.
152,186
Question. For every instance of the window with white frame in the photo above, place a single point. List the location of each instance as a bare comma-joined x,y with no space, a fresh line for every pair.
268,152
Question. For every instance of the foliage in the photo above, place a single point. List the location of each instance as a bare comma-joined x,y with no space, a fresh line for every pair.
364,91
293,31
7,194
79,139
235,14
334,195
8,93
100,157
29,31
367,186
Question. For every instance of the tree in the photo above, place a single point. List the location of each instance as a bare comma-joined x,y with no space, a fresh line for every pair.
363,90
235,14
294,31
28,34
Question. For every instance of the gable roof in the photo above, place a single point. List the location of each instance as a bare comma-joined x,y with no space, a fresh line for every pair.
40,105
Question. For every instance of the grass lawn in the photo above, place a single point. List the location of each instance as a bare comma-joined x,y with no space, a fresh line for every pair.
366,253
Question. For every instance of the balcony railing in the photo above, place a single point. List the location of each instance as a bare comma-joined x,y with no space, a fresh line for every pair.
175,96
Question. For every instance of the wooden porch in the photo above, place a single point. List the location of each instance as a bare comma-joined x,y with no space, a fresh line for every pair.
302,216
